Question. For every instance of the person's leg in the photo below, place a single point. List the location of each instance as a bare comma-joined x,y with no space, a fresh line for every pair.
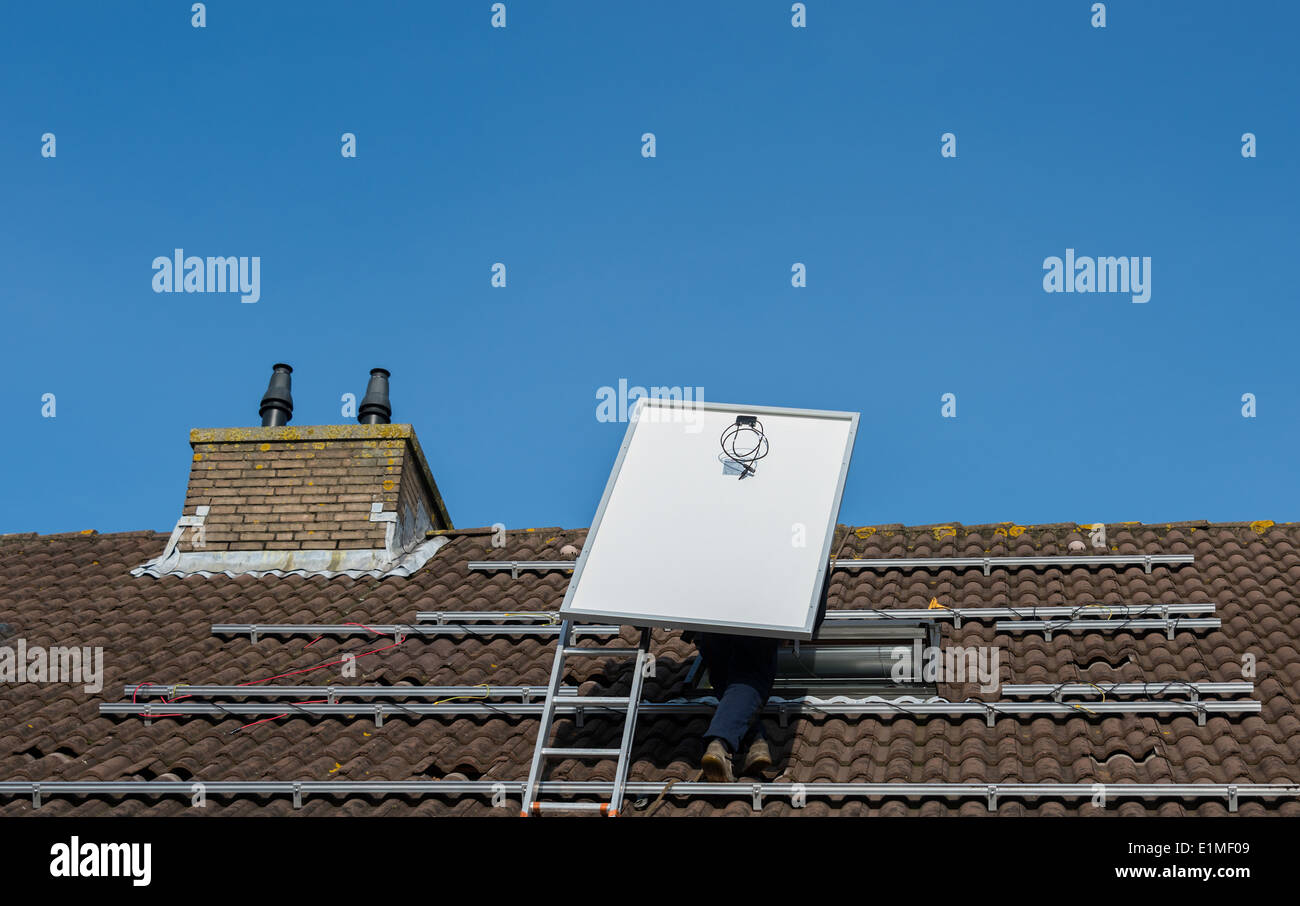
765,659
750,672
728,723
719,739
735,712
715,652
757,663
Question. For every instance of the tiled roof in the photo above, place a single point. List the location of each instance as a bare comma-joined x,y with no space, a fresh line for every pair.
77,590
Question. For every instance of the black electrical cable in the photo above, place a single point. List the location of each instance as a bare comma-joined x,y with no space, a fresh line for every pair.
745,459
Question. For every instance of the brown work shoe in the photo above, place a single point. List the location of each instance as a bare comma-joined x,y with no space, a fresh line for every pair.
758,759
716,763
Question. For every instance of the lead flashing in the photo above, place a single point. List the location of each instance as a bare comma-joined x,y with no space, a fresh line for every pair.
354,564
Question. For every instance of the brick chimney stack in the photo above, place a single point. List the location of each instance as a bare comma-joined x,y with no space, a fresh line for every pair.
318,487
312,500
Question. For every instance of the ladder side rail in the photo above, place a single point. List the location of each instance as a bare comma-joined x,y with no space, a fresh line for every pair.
629,726
548,715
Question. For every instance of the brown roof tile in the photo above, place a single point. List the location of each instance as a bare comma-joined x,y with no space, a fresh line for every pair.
75,588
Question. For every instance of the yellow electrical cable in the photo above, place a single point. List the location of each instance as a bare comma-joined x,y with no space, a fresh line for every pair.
1110,611
487,693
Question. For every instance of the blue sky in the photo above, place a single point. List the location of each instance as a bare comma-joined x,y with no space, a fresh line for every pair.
775,145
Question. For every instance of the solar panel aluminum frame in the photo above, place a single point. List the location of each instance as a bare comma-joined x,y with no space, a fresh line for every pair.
817,597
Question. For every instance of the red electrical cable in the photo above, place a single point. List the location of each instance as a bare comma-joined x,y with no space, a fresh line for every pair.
317,701
400,640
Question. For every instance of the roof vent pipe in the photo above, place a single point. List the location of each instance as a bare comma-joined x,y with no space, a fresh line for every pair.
375,408
277,404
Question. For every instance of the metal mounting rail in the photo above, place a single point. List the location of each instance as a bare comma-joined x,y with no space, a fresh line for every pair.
988,563
485,616
990,793
956,614
784,708
1047,627
1173,687
514,567
333,693
253,630
1090,611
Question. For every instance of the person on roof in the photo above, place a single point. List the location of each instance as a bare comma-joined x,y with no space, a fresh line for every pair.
741,671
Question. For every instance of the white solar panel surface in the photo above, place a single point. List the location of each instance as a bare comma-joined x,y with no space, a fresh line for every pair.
681,540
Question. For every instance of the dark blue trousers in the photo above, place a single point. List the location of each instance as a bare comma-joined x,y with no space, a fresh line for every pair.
741,671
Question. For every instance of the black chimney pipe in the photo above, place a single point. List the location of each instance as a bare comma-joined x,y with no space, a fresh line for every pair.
277,404
375,408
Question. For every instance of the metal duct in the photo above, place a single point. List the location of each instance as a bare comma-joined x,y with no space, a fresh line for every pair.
375,408
277,403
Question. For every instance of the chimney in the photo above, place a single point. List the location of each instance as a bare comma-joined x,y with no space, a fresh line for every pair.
375,408
316,498
277,402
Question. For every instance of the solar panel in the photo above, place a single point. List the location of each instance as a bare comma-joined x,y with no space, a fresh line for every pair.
716,517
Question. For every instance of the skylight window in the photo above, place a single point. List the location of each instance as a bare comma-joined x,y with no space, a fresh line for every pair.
845,657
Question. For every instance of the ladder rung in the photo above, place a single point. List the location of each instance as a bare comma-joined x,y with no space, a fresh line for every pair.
585,700
571,806
562,752
602,652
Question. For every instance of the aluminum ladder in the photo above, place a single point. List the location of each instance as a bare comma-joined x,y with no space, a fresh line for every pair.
533,804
